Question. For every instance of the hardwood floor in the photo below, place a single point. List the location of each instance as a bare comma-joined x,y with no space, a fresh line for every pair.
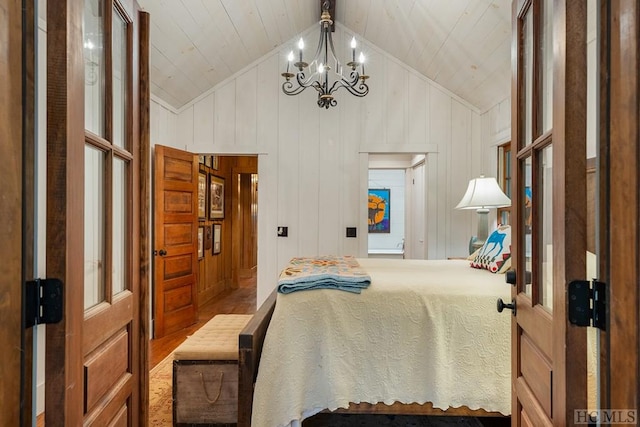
236,301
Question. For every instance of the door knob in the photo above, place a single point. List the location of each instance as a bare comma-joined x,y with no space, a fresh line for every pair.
162,252
501,306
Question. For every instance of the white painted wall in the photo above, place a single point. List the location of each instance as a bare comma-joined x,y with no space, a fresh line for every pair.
313,165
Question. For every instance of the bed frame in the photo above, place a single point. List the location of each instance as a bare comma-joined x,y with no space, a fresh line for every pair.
250,349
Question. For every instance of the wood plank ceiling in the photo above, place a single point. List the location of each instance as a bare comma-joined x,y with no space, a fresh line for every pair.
463,45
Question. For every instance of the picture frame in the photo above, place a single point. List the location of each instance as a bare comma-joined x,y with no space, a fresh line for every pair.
216,197
207,161
217,238
215,162
202,196
201,159
200,242
379,204
207,237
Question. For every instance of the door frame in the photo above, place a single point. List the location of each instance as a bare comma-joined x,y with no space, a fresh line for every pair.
17,133
619,213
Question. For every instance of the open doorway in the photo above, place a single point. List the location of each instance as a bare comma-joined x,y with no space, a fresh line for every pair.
229,258
396,206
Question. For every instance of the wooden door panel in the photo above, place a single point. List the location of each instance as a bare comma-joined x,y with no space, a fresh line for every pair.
529,407
104,367
178,234
120,420
175,243
178,298
537,322
109,407
177,270
536,371
526,422
106,320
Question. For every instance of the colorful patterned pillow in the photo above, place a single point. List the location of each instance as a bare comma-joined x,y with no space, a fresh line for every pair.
495,251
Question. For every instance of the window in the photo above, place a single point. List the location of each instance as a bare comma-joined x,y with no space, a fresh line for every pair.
504,179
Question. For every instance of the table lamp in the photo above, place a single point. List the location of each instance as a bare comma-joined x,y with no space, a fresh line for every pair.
482,194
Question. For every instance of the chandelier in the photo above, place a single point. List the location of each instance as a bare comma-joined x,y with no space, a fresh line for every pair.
324,66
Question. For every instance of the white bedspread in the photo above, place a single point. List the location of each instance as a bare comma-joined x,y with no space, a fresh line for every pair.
424,331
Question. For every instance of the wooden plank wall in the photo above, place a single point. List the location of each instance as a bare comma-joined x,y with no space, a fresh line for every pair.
313,162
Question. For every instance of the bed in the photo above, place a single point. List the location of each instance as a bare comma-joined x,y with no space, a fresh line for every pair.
424,338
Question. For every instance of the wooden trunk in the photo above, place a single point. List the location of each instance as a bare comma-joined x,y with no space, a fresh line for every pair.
205,392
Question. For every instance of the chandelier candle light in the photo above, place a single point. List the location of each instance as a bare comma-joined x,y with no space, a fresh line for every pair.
319,69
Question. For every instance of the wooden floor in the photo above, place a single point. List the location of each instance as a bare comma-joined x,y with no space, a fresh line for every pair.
236,301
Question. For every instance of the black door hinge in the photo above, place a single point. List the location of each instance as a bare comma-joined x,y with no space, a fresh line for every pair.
588,304
42,302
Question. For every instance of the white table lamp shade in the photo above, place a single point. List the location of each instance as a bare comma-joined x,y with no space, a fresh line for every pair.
483,193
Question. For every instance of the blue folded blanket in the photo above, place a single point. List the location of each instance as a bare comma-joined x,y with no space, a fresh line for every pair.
323,272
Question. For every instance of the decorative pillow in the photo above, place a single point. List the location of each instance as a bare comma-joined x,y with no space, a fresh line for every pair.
506,266
495,251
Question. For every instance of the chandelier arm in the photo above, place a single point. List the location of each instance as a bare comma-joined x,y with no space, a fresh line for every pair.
318,87
352,79
359,90
335,86
303,80
288,88
316,57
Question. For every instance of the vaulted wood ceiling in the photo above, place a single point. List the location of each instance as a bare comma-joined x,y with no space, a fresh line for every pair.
463,45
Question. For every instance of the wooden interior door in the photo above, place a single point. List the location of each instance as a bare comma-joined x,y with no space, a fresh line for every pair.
548,208
619,207
175,240
93,365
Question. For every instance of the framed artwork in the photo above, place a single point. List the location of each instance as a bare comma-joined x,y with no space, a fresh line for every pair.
201,159
216,197
207,161
379,214
215,162
202,195
200,242
217,238
207,237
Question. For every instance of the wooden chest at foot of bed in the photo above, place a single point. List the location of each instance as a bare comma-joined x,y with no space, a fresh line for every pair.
205,374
